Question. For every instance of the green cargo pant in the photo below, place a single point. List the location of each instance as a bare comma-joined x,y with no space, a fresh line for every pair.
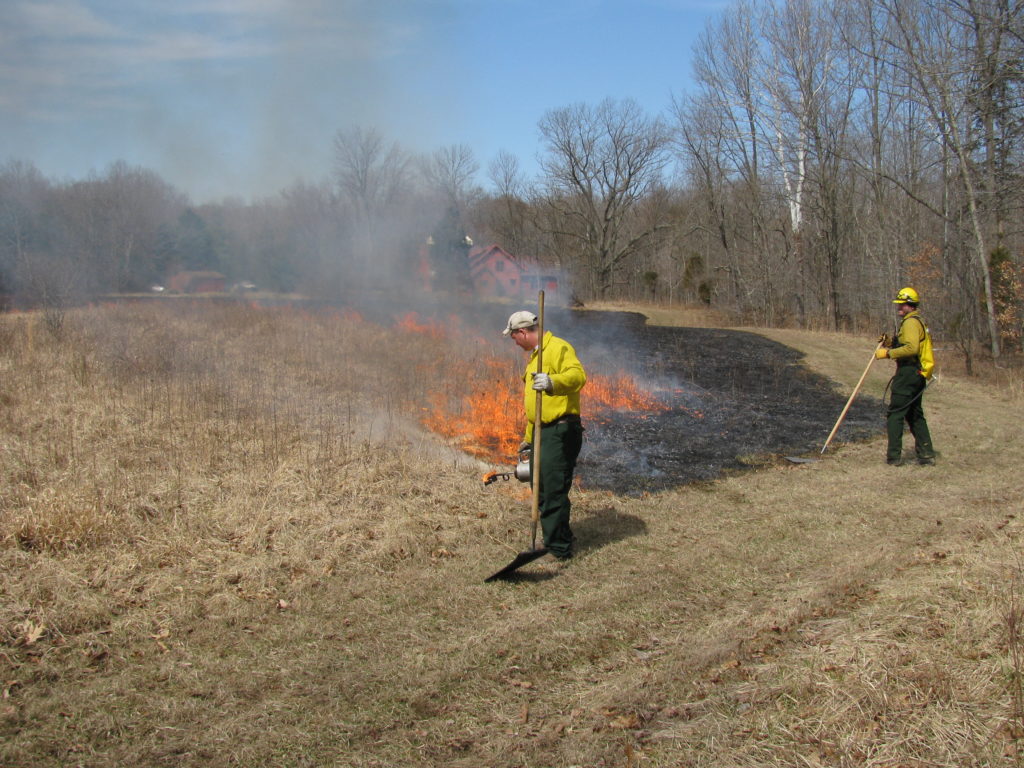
905,406
559,448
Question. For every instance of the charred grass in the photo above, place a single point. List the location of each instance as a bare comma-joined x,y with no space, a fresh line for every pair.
224,542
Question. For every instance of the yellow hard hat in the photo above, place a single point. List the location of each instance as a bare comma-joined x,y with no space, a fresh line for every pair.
907,296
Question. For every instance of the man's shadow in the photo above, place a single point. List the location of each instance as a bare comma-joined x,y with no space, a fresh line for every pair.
599,527
592,530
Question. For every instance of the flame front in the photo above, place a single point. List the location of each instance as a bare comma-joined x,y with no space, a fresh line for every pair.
488,422
485,417
485,420
410,323
620,392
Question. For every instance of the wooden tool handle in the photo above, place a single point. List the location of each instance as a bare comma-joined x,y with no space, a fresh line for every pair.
537,420
848,402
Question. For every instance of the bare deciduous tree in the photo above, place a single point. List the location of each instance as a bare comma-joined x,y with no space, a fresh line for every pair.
599,163
369,171
962,61
451,171
136,204
511,215
701,135
732,113
23,195
375,178
813,83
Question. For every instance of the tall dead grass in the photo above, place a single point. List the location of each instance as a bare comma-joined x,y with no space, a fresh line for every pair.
181,434
224,542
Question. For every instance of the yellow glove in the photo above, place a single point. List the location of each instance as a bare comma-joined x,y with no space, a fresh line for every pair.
881,353
884,340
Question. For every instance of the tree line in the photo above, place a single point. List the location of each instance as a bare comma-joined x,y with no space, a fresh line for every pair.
828,153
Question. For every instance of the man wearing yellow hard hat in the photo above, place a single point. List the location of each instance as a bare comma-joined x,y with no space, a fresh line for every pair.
912,353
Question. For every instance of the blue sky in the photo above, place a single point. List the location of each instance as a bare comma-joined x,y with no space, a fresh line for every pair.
244,97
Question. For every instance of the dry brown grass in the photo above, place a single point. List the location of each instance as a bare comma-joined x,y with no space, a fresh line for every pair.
223,543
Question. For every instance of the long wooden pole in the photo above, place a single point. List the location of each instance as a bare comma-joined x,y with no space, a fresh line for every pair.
850,401
537,420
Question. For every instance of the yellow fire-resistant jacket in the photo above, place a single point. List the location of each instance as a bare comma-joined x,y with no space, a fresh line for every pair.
914,341
567,379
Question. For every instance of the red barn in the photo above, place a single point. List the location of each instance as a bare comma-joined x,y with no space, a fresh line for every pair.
496,272
197,282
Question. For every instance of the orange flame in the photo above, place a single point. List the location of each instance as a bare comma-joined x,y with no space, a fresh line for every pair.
485,421
485,417
410,322
488,422
619,393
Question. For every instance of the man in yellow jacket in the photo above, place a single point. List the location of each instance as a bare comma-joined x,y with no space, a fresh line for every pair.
561,432
912,352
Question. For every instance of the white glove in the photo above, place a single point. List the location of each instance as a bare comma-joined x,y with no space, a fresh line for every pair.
542,382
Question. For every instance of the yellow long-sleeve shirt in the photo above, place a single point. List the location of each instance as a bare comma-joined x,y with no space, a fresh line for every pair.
567,379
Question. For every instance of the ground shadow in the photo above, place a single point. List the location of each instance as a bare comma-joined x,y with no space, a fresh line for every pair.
596,529
526,575
600,527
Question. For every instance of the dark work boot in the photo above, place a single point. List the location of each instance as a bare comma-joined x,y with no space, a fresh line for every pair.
925,455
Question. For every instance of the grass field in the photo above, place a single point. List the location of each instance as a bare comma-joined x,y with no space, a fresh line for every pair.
226,542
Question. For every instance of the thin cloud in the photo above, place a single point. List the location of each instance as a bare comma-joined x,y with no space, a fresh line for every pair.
71,49
56,20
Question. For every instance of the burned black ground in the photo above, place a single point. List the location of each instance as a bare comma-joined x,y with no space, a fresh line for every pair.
735,400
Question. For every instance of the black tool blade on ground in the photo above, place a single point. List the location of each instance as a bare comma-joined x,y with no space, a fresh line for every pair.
521,559
800,460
